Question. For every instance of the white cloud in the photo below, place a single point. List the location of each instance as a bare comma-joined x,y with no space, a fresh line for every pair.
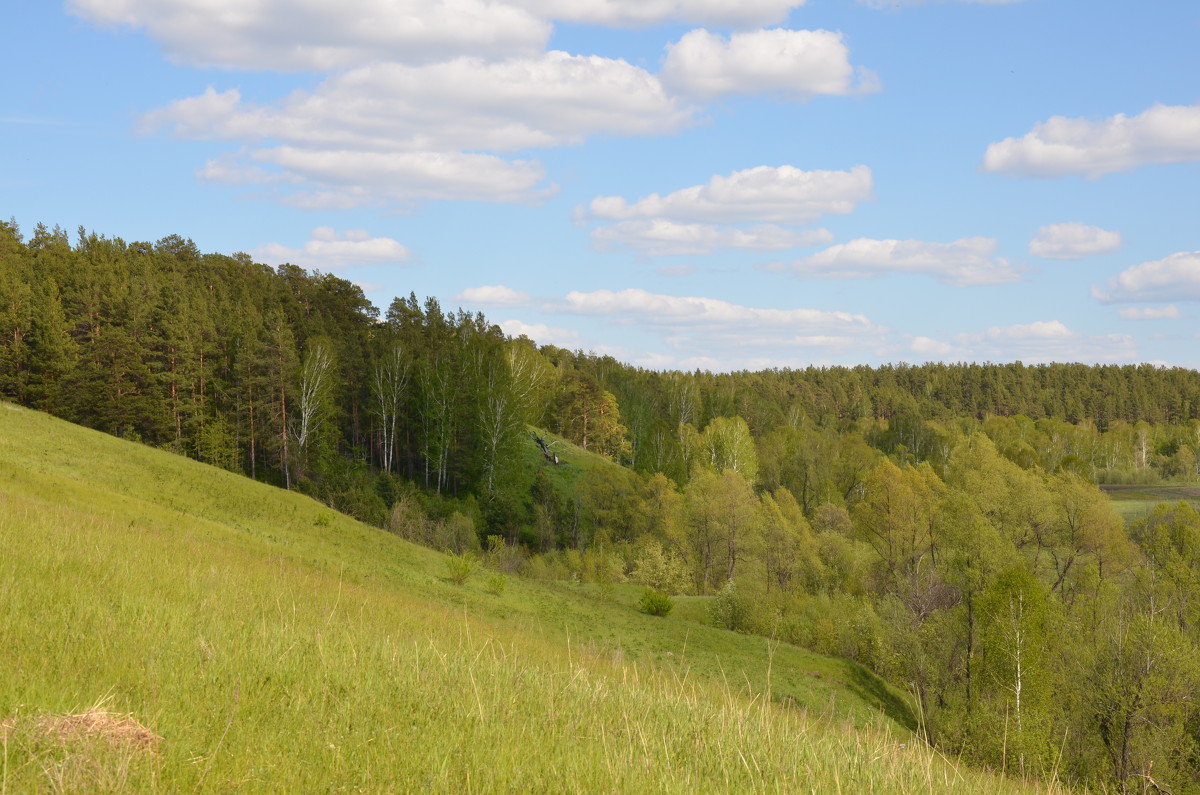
352,178
1038,342
657,310
541,333
1073,241
426,132
1061,146
709,333
467,103
1038,330
1047,341
650,12
788,64
763,194
894,4
294,35
934,349
231,169
660,237
300,35
1173,278
1150,313
965,262
329,250
494,295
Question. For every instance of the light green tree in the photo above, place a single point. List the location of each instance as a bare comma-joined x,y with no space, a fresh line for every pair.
1015,632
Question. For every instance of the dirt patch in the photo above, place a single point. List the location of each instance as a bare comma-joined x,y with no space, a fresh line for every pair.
93,724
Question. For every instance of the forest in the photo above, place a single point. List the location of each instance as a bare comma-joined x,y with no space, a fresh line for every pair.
943,525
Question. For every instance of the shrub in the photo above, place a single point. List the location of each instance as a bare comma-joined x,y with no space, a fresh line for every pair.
660,569
656,603
504,556
459,566
742,612
457,533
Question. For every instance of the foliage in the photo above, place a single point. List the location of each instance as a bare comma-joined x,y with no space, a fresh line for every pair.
460,566
656,603
659,569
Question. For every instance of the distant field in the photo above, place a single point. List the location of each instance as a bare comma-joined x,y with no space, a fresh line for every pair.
171,627
1134,502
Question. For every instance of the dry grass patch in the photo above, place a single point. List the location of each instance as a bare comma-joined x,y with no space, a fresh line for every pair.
91,751
118,730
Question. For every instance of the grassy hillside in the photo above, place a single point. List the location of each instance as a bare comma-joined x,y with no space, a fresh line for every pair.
229,636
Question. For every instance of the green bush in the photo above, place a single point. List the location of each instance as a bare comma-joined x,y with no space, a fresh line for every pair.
742,611
656,603
459,566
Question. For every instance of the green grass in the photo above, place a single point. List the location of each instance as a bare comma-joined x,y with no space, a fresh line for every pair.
1134,502
276,646
574,463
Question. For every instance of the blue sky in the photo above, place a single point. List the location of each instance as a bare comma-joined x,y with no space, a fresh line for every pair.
677,183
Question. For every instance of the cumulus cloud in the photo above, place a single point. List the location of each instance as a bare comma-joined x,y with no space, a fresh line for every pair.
421,129
787,64
1048,341
765,194
541,333
966,262
1149,313
1038,342
450,79
232,169
351,178
493,295
1173,278
329,250
894,4
290,35
1073,241
1061,146
467,103
709,333
655,309
660,237
650,12
931,348
294,35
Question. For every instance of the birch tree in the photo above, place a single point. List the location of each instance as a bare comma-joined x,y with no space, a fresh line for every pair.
389,389
315,395
1014,629
499,421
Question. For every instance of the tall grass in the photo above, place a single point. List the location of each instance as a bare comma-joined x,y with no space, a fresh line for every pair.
275,648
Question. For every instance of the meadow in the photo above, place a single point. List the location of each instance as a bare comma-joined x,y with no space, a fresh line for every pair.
1134,502
224,635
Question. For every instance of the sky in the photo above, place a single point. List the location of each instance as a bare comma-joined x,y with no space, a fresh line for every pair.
680,184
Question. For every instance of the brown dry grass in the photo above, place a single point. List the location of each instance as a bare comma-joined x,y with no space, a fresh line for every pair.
91,724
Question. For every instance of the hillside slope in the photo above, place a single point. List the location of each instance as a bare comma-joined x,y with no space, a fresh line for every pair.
265,643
